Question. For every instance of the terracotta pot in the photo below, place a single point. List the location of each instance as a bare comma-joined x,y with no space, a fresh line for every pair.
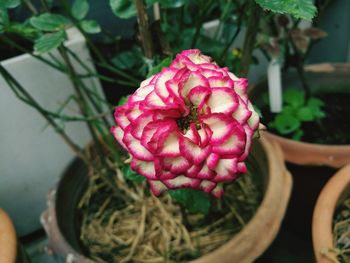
245,246
304,153
8,239
332,194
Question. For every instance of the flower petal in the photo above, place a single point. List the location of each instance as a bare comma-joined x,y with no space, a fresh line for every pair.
182,182
226,170
193,152
220,125
120,116
207,186
118,133
143,168
157,187
235,144
176,165
135,147
198,96
221,100
218,191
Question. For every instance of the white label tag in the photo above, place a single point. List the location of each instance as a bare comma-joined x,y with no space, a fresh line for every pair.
275,86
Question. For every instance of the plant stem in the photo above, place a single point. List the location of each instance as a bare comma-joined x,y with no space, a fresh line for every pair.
80,98
250,37
16,86
145,34
234,36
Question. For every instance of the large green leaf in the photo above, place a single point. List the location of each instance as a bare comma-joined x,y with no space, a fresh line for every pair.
304,9
80,8
12,3
305,114
195,201
49,22
4,18
24,30
49,41
90,26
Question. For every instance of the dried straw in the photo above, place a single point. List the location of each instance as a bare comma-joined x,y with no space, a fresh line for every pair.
141,228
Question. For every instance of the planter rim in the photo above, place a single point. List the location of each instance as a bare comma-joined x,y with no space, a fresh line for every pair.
277,192
322,222
306,153
8,239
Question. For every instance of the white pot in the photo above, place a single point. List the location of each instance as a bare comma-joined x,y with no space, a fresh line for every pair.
32,155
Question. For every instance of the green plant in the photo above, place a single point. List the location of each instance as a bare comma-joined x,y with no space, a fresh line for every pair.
297,109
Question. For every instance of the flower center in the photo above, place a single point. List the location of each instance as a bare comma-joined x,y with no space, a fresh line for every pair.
184,122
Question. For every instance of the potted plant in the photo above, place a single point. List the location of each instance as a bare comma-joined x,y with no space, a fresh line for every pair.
299,116
330,225
194,96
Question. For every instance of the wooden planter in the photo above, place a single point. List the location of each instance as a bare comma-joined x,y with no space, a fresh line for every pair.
245,246
332,194
303,153
8,239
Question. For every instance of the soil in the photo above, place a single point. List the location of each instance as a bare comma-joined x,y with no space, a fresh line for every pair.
333,129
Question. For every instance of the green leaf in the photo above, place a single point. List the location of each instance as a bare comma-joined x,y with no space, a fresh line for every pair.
12,3
90,26
123,8
164,63
80,8
294,97
26,31
171,3
122,100
126,8
285,123
195,201
131,175
315,105
4,18
49,41
297,135
125,60
49,22
305,114
304,9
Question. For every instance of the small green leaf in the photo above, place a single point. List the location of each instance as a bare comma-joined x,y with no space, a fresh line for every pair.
294,97
304,9
122,100
131,175
286,123
49,41
90,26
164,63
49,22
316,105
125,60
126,8
12,3
195,201
305,114
297,135
80,8
123,8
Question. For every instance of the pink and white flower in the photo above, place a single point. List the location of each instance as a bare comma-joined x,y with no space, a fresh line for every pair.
189,126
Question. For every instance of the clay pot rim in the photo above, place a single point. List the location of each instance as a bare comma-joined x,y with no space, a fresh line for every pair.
8,239
330,147
322,221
